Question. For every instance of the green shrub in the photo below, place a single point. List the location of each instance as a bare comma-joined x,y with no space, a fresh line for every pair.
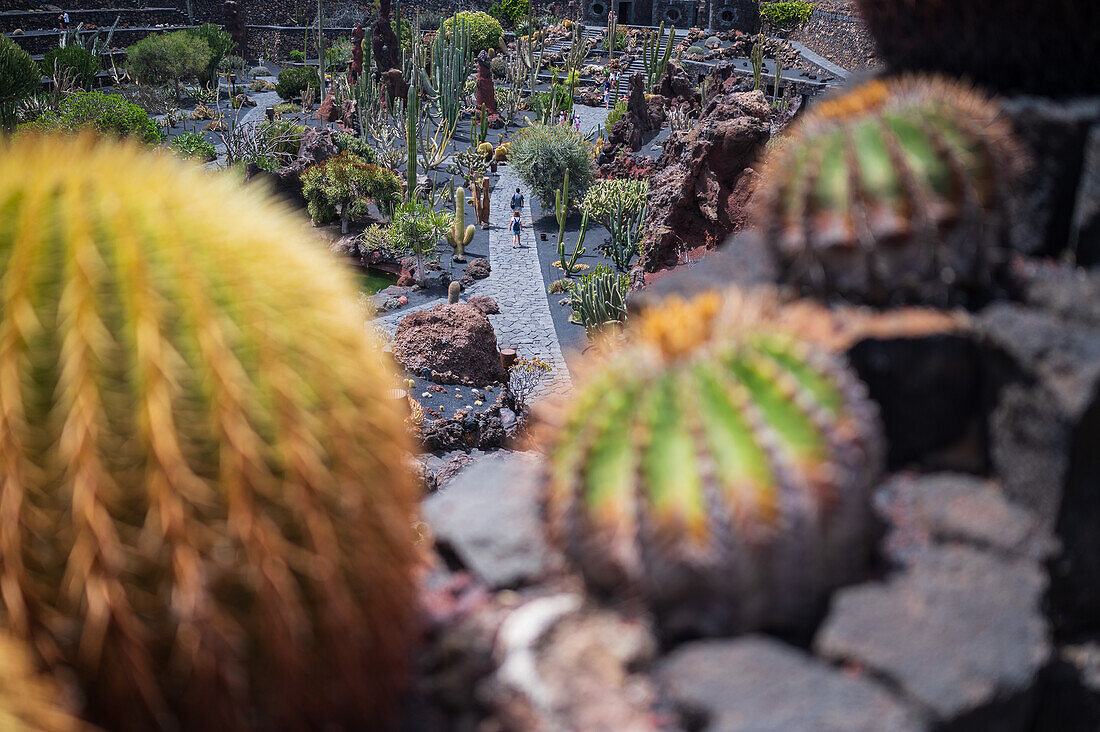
510,10
292,82
620,41
616,113
338,55
542,102
540,155
297,55
220,43
695,51
607,198
787,14
74,61
19,79
485,30
192,145
599,299
168,57
108,113
356,146
232,64
281,137
344,185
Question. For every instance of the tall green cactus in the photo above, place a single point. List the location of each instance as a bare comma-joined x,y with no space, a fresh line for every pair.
412,113
612,31
206,514
655,63
598,300
626,233
716,469
459,235
450,62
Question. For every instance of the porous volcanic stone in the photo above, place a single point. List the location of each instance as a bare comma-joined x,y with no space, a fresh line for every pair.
456,342
757,684
960,633
485,304
489,517
479,268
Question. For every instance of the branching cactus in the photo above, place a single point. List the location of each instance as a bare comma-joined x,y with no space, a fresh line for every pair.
205,518
894,192
459,235
715,469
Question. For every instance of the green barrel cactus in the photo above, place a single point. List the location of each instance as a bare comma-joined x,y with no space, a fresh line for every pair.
203,514
715,469
895,192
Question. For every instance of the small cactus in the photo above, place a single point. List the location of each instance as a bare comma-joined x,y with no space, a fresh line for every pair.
716,469
453,291
206,512
895,192
459,235
501,153
485,149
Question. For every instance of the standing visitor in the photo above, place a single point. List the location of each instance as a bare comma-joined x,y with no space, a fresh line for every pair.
516,203
516,226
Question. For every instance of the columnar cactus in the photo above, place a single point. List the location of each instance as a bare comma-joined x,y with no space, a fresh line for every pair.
481,202
894,192
716,469
459,235
203,513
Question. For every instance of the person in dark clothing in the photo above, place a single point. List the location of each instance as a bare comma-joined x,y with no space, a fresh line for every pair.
517,201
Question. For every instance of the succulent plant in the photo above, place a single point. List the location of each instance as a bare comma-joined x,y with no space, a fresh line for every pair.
459,235
486,149
894,192
204,509
714,468
1046,48
19,79
454,290
501,153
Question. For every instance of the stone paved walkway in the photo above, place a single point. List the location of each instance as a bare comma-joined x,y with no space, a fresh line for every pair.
517,285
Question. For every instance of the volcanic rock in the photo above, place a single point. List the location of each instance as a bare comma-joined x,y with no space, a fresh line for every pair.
485,93
456,343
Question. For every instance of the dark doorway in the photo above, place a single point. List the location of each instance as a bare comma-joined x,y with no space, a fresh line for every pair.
625,12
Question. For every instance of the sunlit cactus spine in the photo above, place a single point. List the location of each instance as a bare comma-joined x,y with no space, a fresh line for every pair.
897,191
29,699
204,515
715,469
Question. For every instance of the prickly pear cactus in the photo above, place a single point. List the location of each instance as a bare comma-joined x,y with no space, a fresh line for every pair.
716,469
204,518
895,192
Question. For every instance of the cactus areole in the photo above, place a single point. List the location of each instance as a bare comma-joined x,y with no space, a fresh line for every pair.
714,469
205,518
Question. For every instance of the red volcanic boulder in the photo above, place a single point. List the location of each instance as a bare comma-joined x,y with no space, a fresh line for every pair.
486,94
485,304
356,67
449,344
704,181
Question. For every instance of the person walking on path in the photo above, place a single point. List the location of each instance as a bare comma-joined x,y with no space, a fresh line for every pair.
606,91
517,201
517,226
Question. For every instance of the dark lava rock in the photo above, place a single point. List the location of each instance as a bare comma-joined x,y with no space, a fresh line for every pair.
489,518
1070,701
456,342
485,304
475,430
759,684
1054,134
1044,427
677,87
704,179
479,269
318,145
641,120
960,633
923,511
1085,228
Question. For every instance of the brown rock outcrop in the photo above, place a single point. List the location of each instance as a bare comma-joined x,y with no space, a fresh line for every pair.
451,344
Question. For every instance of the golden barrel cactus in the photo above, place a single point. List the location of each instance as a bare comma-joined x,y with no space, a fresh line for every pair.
715,468
897,191
202,510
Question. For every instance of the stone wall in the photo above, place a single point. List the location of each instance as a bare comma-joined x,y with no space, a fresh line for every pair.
838,33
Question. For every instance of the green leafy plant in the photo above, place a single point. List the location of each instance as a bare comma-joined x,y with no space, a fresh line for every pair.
715,448
220,43
74,61
233,64
876,195
338,55
192,145
287,108
346,142
598,299
282,137
211,429
106,113
343,186
168,58
293,81
542,154
787,14
296,55
485,30
616,113
19,79
416,229
614,197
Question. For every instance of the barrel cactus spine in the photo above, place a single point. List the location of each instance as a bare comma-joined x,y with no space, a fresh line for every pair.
716,469
205,519
895,192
